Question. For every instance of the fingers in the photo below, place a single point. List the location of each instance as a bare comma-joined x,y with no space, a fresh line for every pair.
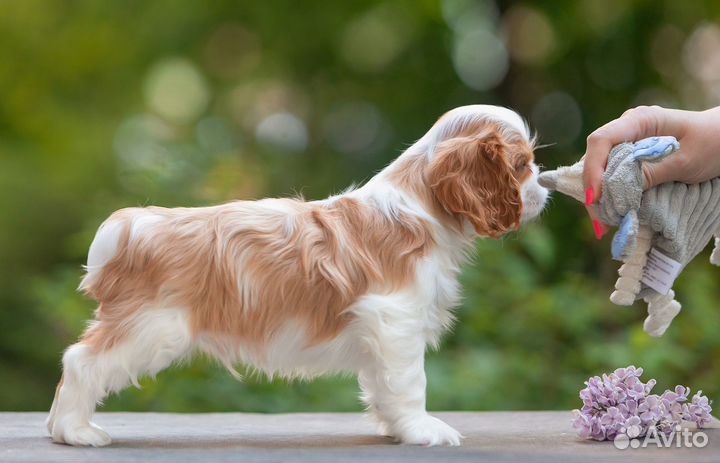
599,228
634,124
596,157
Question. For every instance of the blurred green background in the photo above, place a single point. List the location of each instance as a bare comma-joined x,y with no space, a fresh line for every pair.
111,104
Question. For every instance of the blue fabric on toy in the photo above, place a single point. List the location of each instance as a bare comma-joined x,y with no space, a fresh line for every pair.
654,148
625,236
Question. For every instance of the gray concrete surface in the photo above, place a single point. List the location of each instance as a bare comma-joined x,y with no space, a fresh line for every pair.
324,437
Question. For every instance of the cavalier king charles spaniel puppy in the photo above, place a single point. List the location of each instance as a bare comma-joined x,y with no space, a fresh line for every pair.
360,282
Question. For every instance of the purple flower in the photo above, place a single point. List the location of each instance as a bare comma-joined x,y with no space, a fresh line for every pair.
582,424
680,394
613,420
699,410
588,427
629,372
651,410
674,411
629,408
632,427
636,390
620,402
650,385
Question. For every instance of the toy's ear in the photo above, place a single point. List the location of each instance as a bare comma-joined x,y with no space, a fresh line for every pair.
473,180
654,149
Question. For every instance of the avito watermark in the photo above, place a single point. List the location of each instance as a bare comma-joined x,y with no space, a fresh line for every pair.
678,437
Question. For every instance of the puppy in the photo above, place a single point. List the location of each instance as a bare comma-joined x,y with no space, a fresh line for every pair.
363,281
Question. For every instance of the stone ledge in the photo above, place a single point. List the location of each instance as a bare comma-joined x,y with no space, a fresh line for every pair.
318,437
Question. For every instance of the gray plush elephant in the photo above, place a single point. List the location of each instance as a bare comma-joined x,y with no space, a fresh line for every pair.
659,231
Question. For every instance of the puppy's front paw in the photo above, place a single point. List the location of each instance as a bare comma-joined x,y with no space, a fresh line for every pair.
82,436
381,426
428,431
50,422
383,429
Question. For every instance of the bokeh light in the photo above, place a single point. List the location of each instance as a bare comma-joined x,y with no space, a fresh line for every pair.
284,131
149,155
529,34
467,15
252,101
479,56
702,53
480,59
702,59
557,118
356,128
176,90
215,135
665,51
139,143
373,40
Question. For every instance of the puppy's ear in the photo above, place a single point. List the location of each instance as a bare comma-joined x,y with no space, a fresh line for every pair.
473,180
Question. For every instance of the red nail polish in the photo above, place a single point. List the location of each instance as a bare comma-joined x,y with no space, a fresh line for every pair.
598,228
589,196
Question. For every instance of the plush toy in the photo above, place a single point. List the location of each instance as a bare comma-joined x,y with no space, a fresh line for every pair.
659,230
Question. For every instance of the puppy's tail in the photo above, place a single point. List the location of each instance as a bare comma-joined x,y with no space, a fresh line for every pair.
104,248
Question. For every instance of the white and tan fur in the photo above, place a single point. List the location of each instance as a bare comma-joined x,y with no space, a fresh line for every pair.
362,282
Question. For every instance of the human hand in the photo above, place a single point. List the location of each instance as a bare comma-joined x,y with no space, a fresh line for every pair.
697,160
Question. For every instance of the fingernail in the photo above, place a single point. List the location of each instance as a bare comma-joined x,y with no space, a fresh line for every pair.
589,196
598,228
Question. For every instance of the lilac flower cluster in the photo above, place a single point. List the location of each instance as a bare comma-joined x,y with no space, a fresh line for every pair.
621,403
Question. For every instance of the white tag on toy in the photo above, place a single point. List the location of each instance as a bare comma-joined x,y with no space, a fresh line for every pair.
660,271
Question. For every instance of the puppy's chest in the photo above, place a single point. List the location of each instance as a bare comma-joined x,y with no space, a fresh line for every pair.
447,290
438,287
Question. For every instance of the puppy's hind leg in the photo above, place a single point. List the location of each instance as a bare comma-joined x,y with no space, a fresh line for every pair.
81,387
153,340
